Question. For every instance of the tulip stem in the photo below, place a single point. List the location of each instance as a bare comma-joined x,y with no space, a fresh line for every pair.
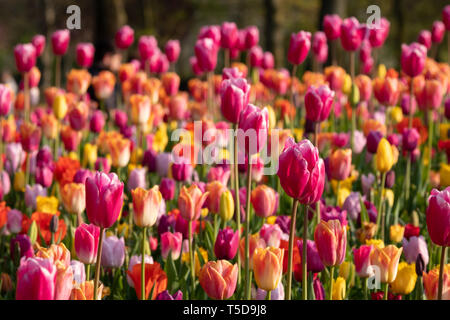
411,100
268,296
97,267
386,291
26,92
191,258
247,231
58,71
380,202
408,177
236,197
227,58
27,169
352,136
291,249
430,145
144,235
331,283
304,256
365,288
337,192
441,271
294,71
88,272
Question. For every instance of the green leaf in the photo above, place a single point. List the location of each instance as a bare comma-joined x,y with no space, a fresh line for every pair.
33,232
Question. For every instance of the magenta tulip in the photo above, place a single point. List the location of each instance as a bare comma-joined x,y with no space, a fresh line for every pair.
86,242
234,95
38,42
351,34
226,244
299,46
6,96
195,66
361,258
85,54
104,199
147,46
332,26
228,73
438,217
377,36
206,53
301,171
256,56
172,50
212,32
171,243
253,129
318,103
313,261
437,32
97,121
410,139
60,41
320,46
268,61
424,38
124,37
446,17
25,55
413,58
229,35
251,37
36,279
167,188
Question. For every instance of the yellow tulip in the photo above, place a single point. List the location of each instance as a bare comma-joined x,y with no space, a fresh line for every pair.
271,219
60,106
226,208
396,233
342,195
339,288
272,117
19,181
186,258
381,72
347,271
347,86
384,156
160,139
46,204
444,175
443,131
375,242
89,154
406,278
137,155
396,114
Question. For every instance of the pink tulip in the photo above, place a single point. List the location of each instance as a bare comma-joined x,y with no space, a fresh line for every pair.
299,46
178,106
36,279
318,103
413,58
446,17
365,52
234,95
438,217
206,53
86,242
256,56
220,174
227,243
437,32
331,240
85,54
228,73
6,96
195,66
301,171
351,34
60,42
229,35
14,222
25,55
253,128
147,46
172,50
97,122
332,26
63,282
361,258
268,61
113,252
104,199
377,36
271,233
251,37
424,38
44,176
124,37
414,246
38,42
320,46
212,32
171,242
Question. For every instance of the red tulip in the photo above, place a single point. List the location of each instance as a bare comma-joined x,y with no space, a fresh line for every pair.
147,46
85,54
320,46
331,240
377,36
86,242
124,37
38,42
332,26
424,38
437,32
299,46
361,258
60,41
413,58
438,217
234,95
229,35
301,171
254,124
25,55
172,50
104,199
206,53
318,103
386,90
351,34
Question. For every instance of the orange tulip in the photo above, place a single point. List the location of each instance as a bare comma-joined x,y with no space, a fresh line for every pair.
254,243
43,223
119,149
104,84
78,81
264,200
85,291
154,277
190,202
74,197
268,267
49,125
431,282
218,279
146,204
140,108
215,190
386,259
340,164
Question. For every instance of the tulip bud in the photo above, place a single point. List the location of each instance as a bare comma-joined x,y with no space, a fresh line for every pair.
384,156
420,265
354,95
390,179
60,106
226,209
54,224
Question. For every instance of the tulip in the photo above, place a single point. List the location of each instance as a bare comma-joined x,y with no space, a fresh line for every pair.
229,35
413,59
234,98
339,287
172,50
226,207
331,239
36,279
165,295
387,260
256,56
332,26
396,232
437,31
340,164
446,17
268,61
79,274
384,156
263,199
147,46
351,34
119,149
38,42
410,139
104,84
171,242
6,96
74,198
85,54
30,136
313,261
377,36
113,253
60,42
86,243
178,106
206,54
438,217
254,123
218,279
146,204
413,247
299,46
97,122
424,38
361,258
386,90
182,171
167,188
215,189
14,221
268,267
25,55
320,47
226,244
406,278
190,202
431,281
276,294
171,83
124,37
251,37
318,103
155,280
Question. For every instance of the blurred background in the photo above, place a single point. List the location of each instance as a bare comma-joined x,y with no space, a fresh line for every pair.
176,19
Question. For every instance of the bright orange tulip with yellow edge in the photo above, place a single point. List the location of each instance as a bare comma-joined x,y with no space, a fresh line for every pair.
146,204
268,267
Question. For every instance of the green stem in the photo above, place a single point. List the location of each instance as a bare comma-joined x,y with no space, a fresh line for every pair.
192,257
383,181
411,99
386,291
365,280
97,267
247,231
408,177
337,192
236,197
144,236
268,296
88,272
331,283
441,271
430,145
291,249
294,71
304,256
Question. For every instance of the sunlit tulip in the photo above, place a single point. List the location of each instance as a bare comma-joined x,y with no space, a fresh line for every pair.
85,54
124,37
25,55
384,156
414,246
74,197
60,42
299,46
190,202
113,252
86,242
226,244
431,280
38,42
264,200
387,260
332,26
172,50
255,242
155,279
234,94
413,59
171,243
340,164
226,207
140,108
351,34
218,279
120,151
36,279
406,278
318,103
438,217
146,205
268,267
104,84
331,241
396,233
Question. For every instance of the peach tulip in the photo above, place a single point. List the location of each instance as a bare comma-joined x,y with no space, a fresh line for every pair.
387,260
218,279
268,267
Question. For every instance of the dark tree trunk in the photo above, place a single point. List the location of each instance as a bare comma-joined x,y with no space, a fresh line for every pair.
110,15
269,24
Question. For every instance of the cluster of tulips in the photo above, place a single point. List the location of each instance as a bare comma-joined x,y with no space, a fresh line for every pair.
358,206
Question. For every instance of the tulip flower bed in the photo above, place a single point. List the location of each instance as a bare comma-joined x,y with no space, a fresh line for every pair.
255,183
